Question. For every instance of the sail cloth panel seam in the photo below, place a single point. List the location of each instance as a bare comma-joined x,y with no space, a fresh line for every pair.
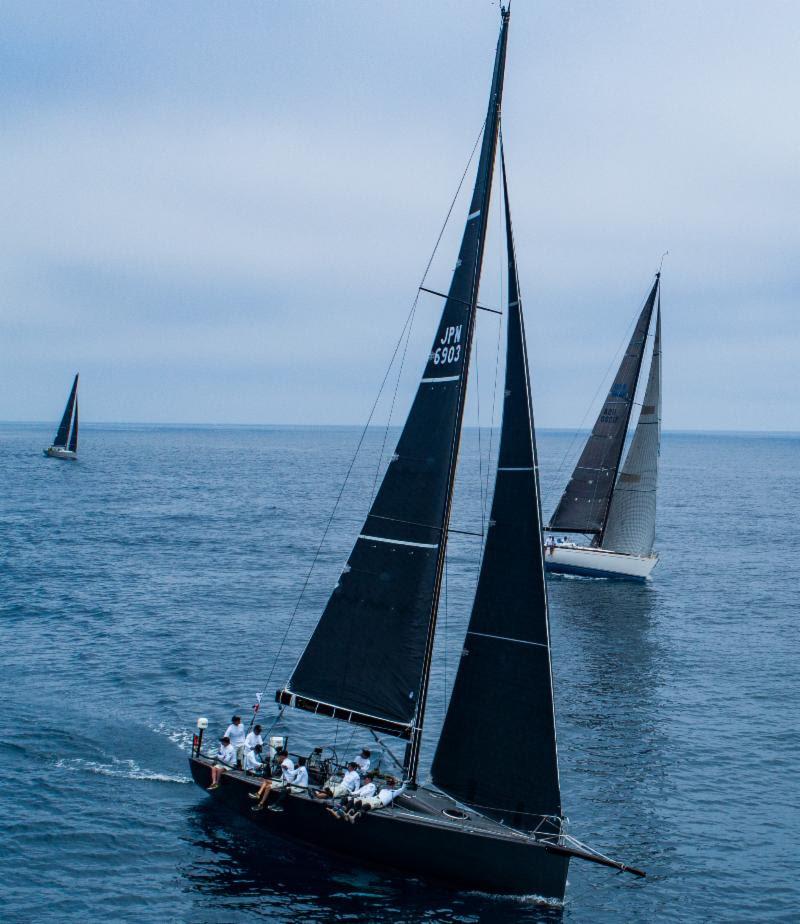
505,638
417,545
443,378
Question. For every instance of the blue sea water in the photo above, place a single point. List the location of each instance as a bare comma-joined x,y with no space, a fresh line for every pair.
152,582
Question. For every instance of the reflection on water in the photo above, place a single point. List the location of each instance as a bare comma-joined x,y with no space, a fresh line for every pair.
238,867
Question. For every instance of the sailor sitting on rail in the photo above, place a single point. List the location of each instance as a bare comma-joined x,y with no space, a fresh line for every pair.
225,760
252,759
385,797
294,782
287,776
348,802
349,784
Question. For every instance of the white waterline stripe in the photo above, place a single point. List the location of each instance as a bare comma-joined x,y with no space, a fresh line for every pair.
444,378
473,215
505,638
503,468
417,545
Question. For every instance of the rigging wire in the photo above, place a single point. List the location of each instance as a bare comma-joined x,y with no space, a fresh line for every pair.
406,327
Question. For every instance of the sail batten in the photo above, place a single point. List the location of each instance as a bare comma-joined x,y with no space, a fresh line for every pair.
503,684
369,655
584,505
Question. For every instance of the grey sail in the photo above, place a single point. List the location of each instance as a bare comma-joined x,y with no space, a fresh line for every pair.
631,524
583,507
497,750
368,660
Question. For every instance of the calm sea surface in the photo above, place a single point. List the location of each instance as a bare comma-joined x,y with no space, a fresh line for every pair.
152,582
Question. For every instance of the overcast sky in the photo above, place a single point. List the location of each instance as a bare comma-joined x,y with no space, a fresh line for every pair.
220,212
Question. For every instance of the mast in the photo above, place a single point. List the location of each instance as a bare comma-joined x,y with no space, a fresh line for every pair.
583,507
631,521
368,660
504,678
63,428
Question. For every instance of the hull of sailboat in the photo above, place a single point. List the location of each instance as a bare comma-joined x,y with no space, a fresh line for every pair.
406,840
598,563
58,452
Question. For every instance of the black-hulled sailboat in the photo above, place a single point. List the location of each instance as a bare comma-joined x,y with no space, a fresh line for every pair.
65,445
615,504
491,817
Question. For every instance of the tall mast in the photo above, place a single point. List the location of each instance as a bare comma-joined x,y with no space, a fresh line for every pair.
369,658
479,213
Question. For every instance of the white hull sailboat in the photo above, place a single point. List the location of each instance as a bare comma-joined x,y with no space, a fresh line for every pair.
615,504
65,445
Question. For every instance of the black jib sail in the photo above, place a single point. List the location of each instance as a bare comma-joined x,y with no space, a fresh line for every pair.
497,749
63,428
369,657
583,507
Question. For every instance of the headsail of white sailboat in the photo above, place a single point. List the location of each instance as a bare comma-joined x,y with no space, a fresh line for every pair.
631,523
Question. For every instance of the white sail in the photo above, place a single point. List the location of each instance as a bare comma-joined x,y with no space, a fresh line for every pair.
631,524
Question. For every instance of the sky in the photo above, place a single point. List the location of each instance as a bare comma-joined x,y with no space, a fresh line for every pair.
221,213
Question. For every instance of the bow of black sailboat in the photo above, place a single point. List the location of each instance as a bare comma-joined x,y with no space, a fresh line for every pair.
368,661
65,444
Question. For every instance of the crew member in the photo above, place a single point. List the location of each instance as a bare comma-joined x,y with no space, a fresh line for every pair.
225,760
235,731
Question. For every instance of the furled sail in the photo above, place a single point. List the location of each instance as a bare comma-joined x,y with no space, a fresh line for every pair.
369,657
63,428
631,524
584,504
497,750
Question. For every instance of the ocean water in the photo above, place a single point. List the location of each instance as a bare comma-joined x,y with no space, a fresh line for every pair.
153,582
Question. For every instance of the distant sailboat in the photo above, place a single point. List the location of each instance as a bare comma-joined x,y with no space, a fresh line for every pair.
491,818
617,510
65,445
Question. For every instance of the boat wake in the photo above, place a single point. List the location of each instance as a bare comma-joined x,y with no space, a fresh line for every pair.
180,738
519,899
126,769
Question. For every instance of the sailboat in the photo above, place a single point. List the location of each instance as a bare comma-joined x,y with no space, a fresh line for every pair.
616,505
65,445
490,817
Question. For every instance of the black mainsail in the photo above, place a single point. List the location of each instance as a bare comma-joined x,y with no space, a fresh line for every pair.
63,434
368,660
584,505
497,750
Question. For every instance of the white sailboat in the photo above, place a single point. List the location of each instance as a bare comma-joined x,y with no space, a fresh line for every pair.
65,445
616,505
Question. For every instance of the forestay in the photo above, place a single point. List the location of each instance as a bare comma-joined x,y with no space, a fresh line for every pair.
584,504
369,656
497,749
631,524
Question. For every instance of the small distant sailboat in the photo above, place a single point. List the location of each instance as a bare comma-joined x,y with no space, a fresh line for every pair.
617,510
65,445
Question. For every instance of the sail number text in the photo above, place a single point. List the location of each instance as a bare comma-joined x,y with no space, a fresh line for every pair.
449,350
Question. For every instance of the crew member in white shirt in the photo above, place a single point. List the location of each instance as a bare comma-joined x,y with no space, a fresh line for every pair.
252,759
384,798
363,761
296,781
225,760
253,738
287,776
348,785
235,731
366,791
